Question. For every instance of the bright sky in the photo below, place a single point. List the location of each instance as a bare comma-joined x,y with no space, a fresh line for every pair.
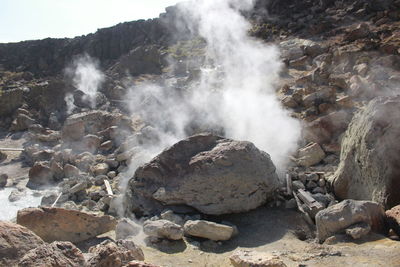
38,19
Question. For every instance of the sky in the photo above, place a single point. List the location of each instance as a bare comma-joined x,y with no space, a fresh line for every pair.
38,19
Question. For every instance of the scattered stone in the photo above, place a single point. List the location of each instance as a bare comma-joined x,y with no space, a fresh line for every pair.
16,195
115,254
209,230
358,230
212,174
140,264
100,169
169,215
70,170
163,229
57,224
106,146
337,218
15,241
246,258
310,155
78,187
54,254
298,185
40,175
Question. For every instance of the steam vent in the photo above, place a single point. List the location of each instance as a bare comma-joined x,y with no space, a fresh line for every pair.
217,133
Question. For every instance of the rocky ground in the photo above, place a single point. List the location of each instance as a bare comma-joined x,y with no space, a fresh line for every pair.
97,161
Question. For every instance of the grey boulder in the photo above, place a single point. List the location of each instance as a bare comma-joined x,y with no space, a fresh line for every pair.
369,160
209,173
337,218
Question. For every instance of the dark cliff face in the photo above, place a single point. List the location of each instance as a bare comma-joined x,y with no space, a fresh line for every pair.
50,56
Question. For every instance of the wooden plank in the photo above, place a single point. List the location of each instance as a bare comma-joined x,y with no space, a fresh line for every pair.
300,208
11,149
55,202
289,188
108,187
309,200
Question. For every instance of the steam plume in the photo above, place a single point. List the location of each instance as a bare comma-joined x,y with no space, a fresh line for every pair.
236,90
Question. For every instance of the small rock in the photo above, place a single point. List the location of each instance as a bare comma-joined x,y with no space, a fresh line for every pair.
163,229
39,175
310,155
70,170
115,254
111,174
245,258
291,204
297,184
100,169
169,215
16,195
78,187
209,230
358,230
106,146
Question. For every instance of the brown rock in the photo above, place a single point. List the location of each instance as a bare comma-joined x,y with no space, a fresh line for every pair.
70,170
15,241
54,255
324,129
245,258
73,130
110,254
57,224
393,219
310,155
40,175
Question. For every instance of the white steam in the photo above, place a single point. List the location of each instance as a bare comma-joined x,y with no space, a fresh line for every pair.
86,77
236,90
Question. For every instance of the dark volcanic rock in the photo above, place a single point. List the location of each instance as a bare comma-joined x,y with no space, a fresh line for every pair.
207,172
369,162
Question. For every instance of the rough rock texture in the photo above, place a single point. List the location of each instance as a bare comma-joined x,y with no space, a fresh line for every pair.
57,224
244,258
40,175
310,155
209,230
54,255
110,254
369,162
358,230
15,241
393,219
336,218
10,100
207,172
163,229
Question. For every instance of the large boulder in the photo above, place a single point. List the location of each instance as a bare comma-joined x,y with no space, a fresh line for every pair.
57,224
54,255
369,162
15,241
337,218
209,173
